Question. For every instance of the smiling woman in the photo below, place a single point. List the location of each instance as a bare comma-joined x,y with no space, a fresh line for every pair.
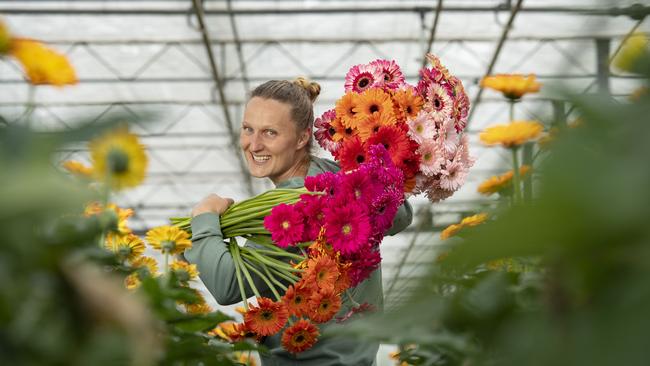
276,139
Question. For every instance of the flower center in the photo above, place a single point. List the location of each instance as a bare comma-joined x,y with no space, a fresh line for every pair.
419,128
437,103
346,229
374,108
285,225
427,156
167,246
409,110
331,131
267,315
357,193
360,158
300,338
363,82
118,161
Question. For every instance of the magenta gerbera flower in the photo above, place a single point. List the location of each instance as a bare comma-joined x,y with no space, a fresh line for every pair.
311,207
383,209
362,77
325,131
325,182
364,262
393,78
347,226
359,186
285,224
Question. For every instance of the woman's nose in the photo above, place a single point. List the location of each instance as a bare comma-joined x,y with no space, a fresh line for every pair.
256,143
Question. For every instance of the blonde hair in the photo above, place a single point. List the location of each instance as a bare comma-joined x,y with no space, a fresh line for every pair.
299,94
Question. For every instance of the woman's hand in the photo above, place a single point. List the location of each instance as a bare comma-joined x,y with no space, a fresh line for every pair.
212,203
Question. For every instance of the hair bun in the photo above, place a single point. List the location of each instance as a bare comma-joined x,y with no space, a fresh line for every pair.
312,87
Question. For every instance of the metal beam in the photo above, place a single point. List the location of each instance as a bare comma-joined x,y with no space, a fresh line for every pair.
240,55
432,35
602,64
198,9
495,56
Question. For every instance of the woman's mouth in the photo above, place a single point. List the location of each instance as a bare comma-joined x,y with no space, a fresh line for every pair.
260,158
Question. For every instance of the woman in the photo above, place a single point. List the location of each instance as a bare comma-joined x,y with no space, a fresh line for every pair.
276,139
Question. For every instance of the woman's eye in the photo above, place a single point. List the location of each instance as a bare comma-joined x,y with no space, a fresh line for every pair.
271,133
247,129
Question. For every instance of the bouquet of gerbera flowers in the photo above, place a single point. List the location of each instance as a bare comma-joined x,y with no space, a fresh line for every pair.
421,126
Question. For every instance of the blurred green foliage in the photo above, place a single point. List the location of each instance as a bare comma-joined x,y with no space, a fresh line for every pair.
62,298
582,296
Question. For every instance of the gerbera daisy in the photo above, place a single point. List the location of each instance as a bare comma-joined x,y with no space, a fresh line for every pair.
512,86
437,65
432,158
450,231
338,131
299,337
119,159
435,193
362,77
78,169
324,305
421,127
347,226
146,262
383,209
392,74
394,141
325,132
474,220
343,281
296,299
512,134
373,101
460,111
346,109
41,64
453,176
631,52
371,124
496,184
267,318
184,271
127,247
408,102
359,186
327,182
351,154
439,102
201,308
122,215
169,239
311,209
322,271
285,224
363,263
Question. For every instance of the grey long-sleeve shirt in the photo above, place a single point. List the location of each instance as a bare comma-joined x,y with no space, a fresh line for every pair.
217,272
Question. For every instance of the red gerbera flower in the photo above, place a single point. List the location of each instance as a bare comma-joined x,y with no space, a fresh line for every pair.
300,337
296,299
347,226
351,154
324,305
267,318
285,224
394,139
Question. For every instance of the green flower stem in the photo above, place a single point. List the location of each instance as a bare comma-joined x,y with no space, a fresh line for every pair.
242,232
166,263
272,278
287,276
248,214
247,275
271,261
512,109
240,280
264,278
246,225
277,254
516,179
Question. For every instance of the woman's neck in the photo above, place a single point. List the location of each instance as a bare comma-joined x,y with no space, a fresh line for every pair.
299,169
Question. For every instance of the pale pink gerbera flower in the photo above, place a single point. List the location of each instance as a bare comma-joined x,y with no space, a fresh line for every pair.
449,136
435,193
432,157
421,127
439,102
453,176
392,75
362,77
325,131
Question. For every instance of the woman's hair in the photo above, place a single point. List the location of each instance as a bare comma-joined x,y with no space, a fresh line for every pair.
299,94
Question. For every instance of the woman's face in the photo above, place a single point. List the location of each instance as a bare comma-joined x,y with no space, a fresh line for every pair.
270,140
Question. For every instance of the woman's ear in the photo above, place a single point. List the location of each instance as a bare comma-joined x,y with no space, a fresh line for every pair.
304,139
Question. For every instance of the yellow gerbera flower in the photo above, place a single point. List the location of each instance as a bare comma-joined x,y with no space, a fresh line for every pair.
119,158
184,271
345,109
122,214
495,184
5,38
77,168
169,239
125,246
198,308
450,231
512,86
147,262
371,124
469,221
132,281
512,134
42,65
373,101
632,50
408,103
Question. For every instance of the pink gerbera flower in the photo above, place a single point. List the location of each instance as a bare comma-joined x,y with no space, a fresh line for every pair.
432,158
362,77
383,209
285,224
393,78
325,131
347,226
359,186
311,208
453,176
365,261
439,102
421,127
325,182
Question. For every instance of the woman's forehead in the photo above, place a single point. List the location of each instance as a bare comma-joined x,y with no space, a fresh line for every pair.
267,112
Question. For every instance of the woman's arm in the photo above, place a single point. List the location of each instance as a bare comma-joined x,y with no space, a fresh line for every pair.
403,218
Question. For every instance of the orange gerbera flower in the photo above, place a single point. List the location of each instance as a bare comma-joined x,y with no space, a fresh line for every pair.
343,281
373,101
324,305
341,132
371,124
296,299
300,337
267,318
322,271
345,109
408,103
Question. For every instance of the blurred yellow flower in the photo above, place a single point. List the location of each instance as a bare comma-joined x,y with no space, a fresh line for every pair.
123,214
202,308
42,65
634,47
125,246
225,331
512,86
5,38
469,221
77,168
511,134
639,93
184,271
119,158
244,359
169,239
132,281
146,262
495,184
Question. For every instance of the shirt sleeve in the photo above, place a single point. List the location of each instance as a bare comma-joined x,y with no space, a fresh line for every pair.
215,264
403,218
